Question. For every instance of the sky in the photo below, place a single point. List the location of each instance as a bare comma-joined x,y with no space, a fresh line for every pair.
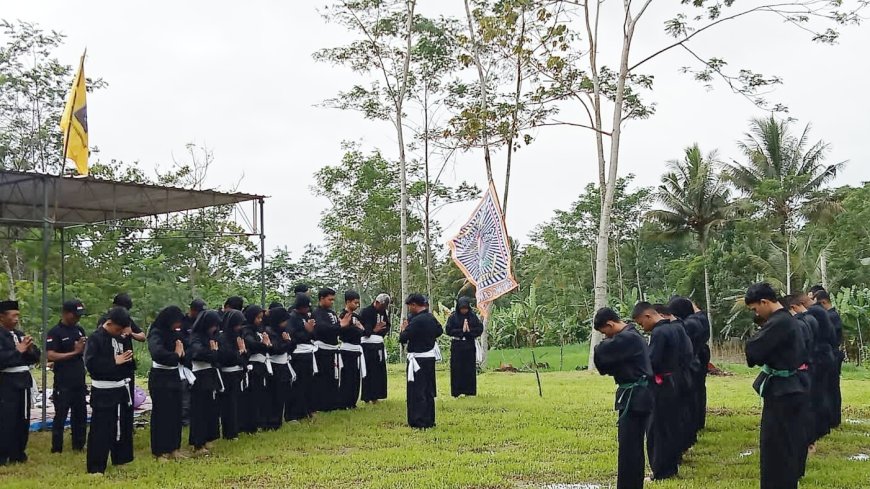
239,78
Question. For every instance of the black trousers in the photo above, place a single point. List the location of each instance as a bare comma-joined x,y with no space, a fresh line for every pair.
665,435
421,395
325,388
254,402
821,401
122,451
783,443
165,419
228,402
631,462
14,423
836,394
204,417
103,438
701,399
185,403
278,386
348,388
69,401
301,394
463,368
689,417
374,385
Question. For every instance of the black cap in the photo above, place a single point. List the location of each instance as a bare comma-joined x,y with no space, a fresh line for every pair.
8,306
198,305
75,306
417,299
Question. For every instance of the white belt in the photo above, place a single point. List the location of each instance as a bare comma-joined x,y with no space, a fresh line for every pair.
376,340
116,384
478,350
413,366
360,361
16,370
304,348
234,368
197,366
284,359
338,364
184,373
264,359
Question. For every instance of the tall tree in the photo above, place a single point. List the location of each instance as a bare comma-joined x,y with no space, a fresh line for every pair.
784,176
695,200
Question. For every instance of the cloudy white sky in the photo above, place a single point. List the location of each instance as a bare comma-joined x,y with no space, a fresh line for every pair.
239,78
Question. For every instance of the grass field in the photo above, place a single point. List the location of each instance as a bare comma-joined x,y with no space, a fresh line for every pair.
507,437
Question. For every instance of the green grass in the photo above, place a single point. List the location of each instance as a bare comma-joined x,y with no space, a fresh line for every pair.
507,437
571,357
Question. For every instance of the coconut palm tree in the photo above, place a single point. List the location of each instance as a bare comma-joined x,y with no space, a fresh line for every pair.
784,178
695,200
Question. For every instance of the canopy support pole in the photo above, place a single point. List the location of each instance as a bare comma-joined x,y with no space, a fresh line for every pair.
262,257
46,243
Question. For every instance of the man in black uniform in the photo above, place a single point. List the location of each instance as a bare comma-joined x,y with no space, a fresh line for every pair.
352,367
826,340
304,363
18,353
65,346
670,355
420,333
327,326
779,349
376,321
625,356
823,298
107,357
698,334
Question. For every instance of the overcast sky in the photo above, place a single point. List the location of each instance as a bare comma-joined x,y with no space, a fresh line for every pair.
239,78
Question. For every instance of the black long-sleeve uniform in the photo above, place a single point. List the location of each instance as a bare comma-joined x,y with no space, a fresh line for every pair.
302,394
701,349
463,350
839,357
326,329
204,404
108,404
233,367
374,385
279,384
349,384
826,364
780,347
69,387
420,336
625,357
165,386
15,390
254,415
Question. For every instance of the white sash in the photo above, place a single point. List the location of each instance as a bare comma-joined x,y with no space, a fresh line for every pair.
115,384
284,359
376,340
304,348
30,395
264,359
184,373
338,363
16,370
360,361
413,366
478,350
197,366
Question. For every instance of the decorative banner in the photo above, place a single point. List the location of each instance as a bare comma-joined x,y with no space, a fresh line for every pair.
482,251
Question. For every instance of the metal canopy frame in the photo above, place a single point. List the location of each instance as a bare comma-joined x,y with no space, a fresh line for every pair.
34,200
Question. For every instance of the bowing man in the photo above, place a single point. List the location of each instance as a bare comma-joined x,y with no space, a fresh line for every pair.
464,327
420,333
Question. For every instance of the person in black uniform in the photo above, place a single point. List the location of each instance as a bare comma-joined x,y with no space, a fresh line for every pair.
352,368
624,354
130,334
823,298
464,327
196,307
376,321
779,348
233,360
280,383
106,359
420,333
65,347
255,400
301,327
671,353
18,353
327,327
704,362
302,289
827,341
684,312
234,303
204,355
165,382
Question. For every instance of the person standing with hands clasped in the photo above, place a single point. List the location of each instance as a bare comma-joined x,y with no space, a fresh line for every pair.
464,327
17,354
65,346
165,383
420,334
376,321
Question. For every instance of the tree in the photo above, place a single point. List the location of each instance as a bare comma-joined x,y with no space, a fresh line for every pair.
387,30
784,176
695,200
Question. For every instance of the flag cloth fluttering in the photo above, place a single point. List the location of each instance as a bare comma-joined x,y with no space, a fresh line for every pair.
74,123
482,251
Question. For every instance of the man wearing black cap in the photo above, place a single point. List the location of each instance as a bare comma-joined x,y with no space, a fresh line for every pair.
17,353
420,334
65,346
301,327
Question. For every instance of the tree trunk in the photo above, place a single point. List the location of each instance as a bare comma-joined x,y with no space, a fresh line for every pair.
427,220
484,97
637,269
515,114
403,175
707,295
788,263
823,267
604,223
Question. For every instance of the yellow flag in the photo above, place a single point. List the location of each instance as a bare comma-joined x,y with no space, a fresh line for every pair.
74,123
